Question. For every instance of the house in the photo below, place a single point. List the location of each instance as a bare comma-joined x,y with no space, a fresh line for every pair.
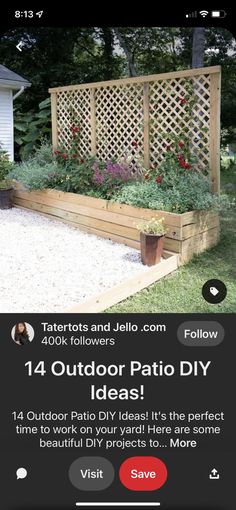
11,86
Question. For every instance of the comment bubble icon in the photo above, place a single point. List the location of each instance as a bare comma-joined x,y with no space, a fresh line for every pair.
21,473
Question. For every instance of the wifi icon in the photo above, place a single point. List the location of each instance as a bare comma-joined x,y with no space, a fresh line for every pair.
204,13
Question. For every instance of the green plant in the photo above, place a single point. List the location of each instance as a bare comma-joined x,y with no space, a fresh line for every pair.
154,226
109,176
188,192
5,167
34,176
31,128
78,176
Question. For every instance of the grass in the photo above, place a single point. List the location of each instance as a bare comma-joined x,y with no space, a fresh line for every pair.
181,292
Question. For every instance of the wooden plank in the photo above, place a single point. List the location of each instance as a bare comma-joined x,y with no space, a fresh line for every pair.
198,240
146,125
90,230
171,219
74,198
198,244
54,120
112,237
195,228
192,217
118,225
91,212
140,79
93,122
113,228
119,219
173,245
127,288
87,222
215,95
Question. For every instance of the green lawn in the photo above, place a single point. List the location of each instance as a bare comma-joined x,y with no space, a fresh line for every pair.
181,291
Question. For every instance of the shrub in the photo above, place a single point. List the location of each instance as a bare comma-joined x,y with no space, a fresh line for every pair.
108,177
68,171
35,176
5,167
43,154
77,176
39,171
31,127
190,192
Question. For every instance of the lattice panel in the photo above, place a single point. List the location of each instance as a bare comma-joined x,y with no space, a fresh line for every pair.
119,121
117,114
73,107
169,114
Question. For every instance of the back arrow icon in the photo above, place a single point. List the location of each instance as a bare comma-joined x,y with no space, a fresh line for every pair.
19,46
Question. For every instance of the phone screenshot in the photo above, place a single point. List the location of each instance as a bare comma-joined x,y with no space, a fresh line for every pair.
118,259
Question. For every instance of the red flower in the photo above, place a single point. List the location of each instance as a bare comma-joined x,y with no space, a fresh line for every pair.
74,155
182,100
181,143
146,176
65,156
159,179
57,152
74,129
184,164
134,143
81,161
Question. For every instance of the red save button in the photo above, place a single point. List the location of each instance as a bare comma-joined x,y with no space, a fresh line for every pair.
143,473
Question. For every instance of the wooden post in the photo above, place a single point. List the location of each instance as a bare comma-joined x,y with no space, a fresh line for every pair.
215,91
146,124
54,120
93,122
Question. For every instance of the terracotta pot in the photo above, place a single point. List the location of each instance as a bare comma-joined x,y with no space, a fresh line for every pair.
6,198
151,248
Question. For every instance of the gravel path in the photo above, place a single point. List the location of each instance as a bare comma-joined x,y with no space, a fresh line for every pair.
47,266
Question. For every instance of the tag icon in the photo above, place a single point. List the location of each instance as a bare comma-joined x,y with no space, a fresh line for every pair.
214,291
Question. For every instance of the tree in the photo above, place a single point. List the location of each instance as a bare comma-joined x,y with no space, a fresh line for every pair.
129,55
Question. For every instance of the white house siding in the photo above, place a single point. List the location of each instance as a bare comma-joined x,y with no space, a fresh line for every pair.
6,121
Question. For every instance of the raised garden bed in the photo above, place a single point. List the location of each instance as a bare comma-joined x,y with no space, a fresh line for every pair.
188,233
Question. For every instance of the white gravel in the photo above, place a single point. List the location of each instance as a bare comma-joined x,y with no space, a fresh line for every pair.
47,266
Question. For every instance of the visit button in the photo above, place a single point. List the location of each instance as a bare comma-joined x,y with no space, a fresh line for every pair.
143,473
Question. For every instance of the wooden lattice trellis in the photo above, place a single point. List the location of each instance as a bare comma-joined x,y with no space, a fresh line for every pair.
114,116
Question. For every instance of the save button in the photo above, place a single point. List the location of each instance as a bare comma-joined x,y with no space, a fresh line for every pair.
143,473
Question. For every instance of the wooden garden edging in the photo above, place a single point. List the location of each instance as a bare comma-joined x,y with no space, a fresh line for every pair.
114,115
188,233
129,287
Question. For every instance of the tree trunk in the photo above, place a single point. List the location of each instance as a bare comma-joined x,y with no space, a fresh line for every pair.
198,47
132,69
107,37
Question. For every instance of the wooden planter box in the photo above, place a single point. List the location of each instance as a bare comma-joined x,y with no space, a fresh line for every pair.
188,233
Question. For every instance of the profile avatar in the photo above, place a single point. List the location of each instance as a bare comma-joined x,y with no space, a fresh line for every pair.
22,333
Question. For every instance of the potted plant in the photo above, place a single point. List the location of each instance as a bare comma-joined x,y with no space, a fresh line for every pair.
152,234
6,187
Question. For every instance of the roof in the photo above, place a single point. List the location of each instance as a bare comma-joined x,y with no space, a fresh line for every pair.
12,80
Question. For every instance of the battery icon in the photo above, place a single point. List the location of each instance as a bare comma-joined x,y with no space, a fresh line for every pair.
218,14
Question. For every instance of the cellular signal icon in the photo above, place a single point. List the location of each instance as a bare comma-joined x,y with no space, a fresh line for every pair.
192,15
203,13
